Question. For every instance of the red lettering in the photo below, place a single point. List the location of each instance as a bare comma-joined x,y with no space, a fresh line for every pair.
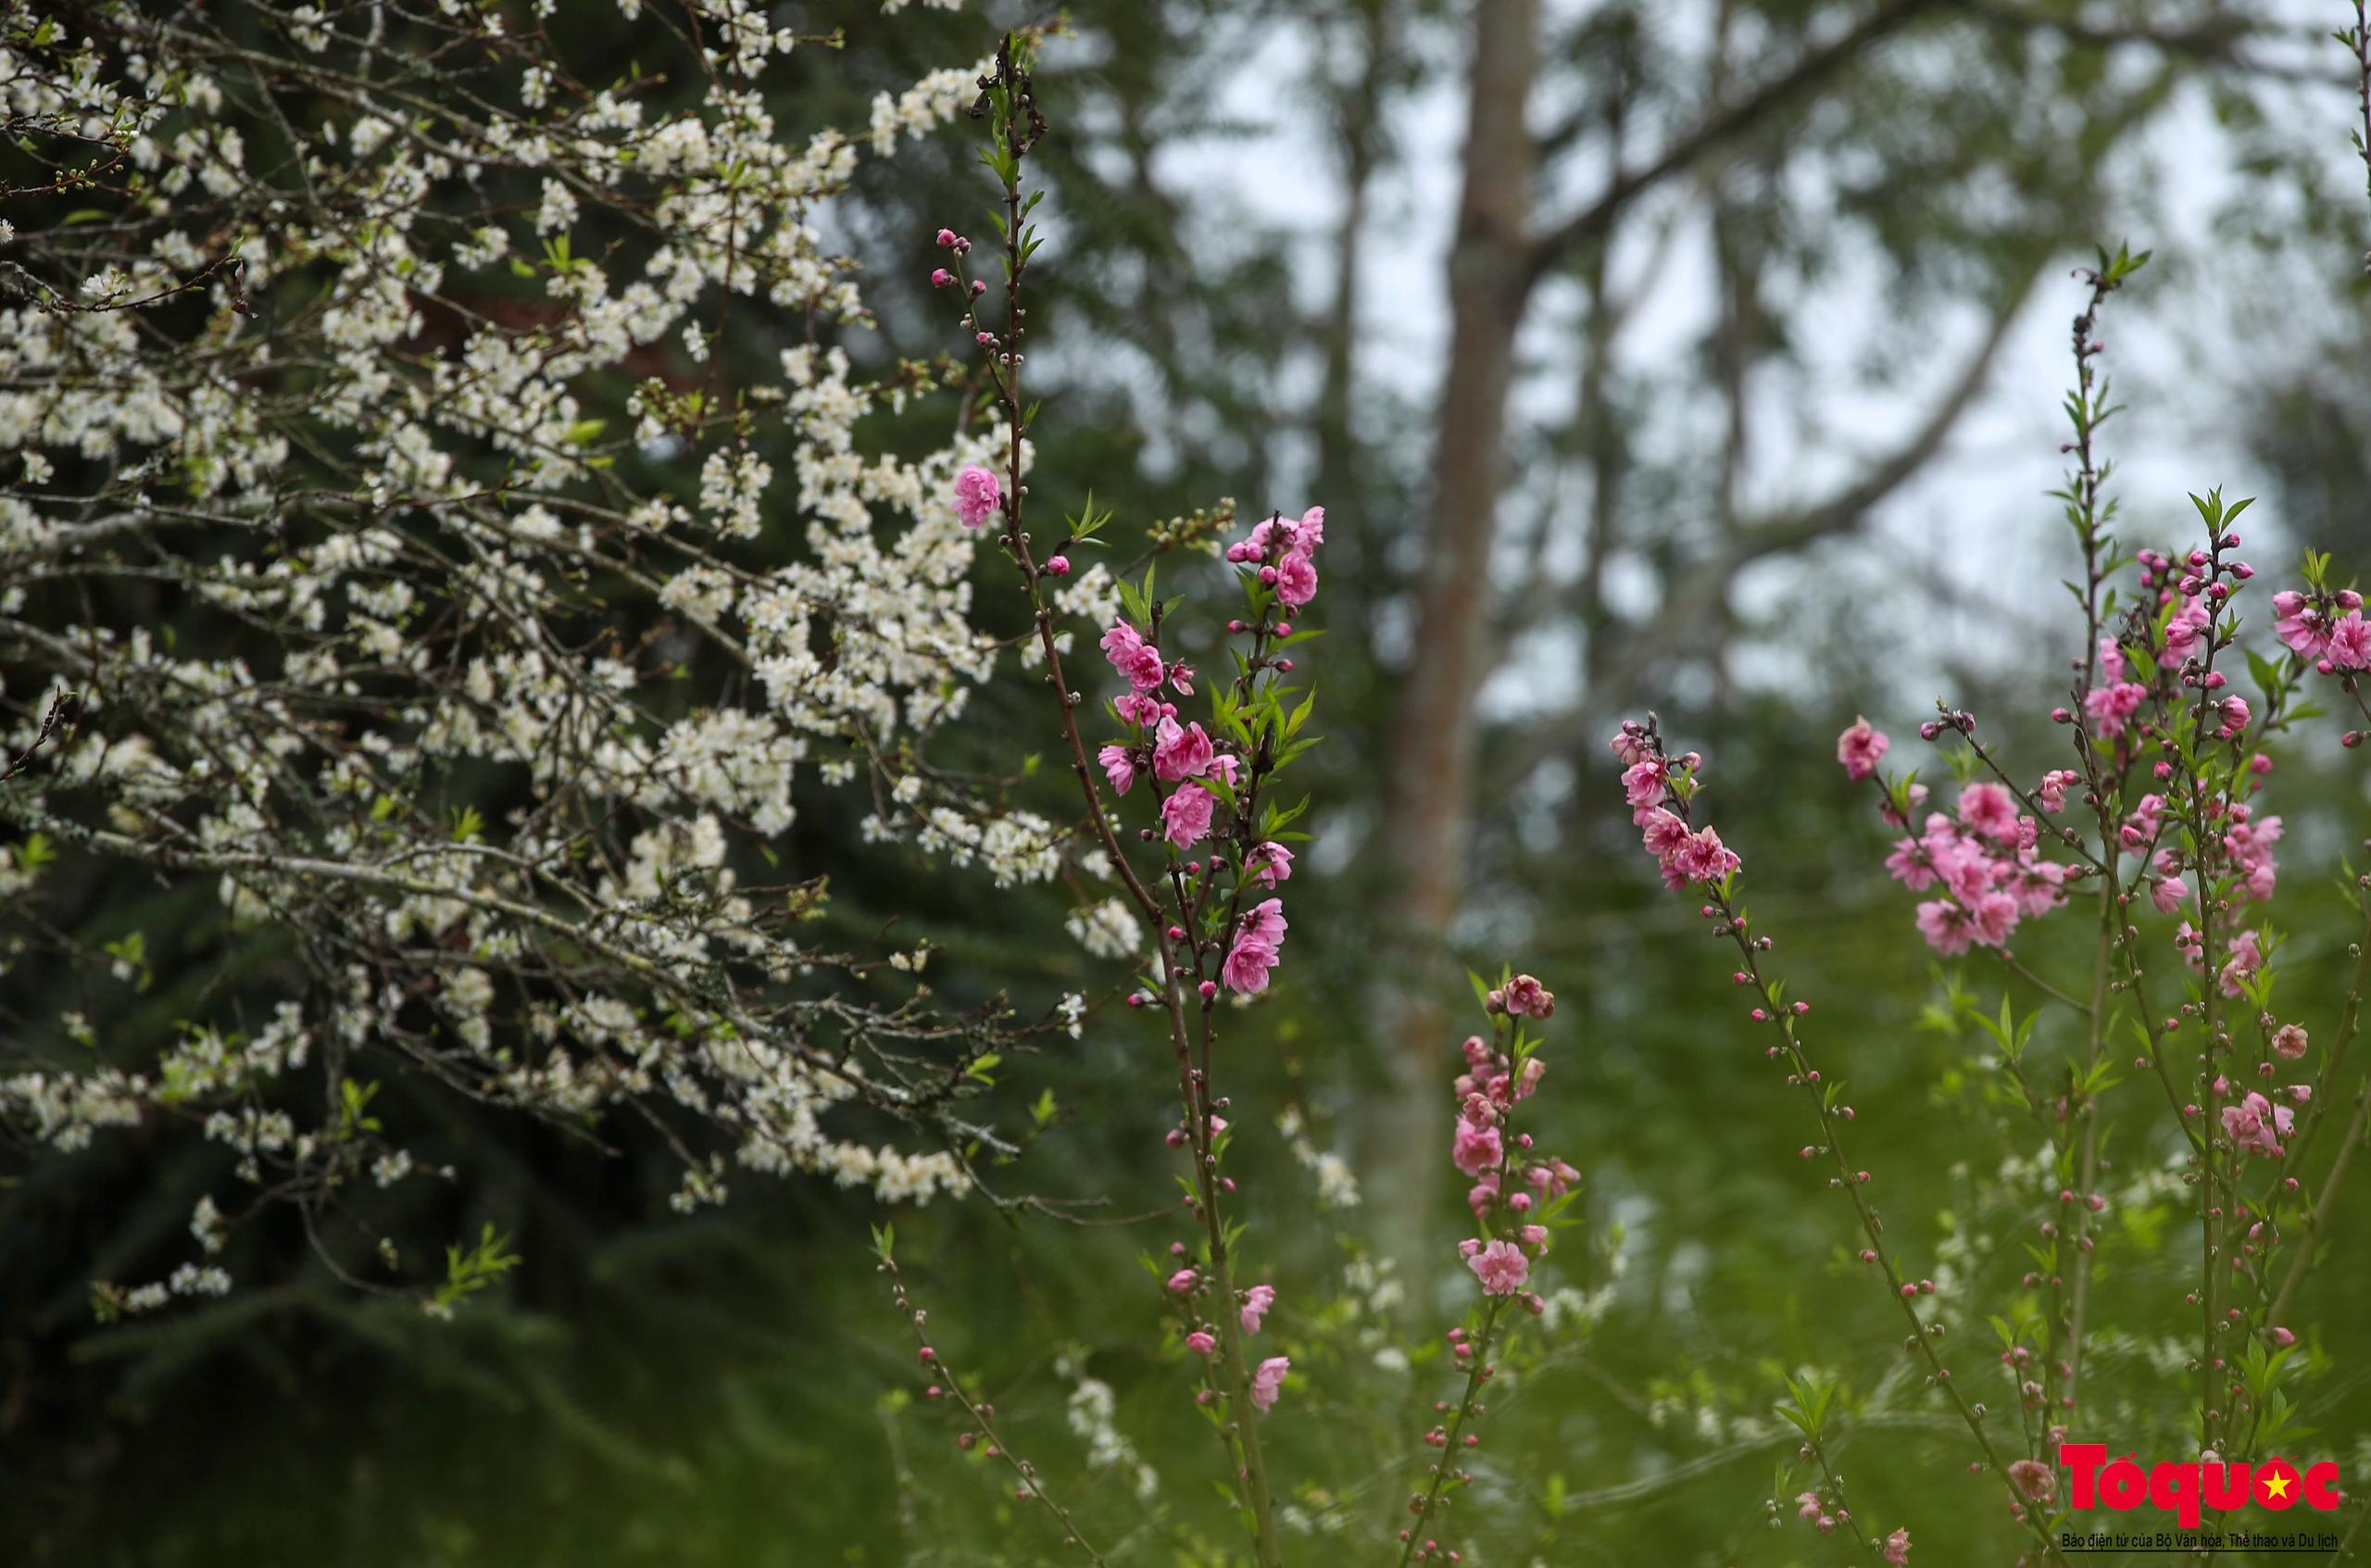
2084,1460
2124,1484
2174,1488
2321,1485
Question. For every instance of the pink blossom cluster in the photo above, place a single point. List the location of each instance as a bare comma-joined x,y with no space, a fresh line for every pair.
1284,555
2256,1125
2245,846
2111,705
1258,936
1984,862
1492,1084
1809,1507
2328,628
1251,1312
1522,998
1654,786
1190,760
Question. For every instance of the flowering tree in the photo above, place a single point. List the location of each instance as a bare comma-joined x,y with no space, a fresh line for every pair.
372,568
1215,912
2156,826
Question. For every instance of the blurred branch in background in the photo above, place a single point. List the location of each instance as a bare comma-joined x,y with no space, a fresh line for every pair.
1895,149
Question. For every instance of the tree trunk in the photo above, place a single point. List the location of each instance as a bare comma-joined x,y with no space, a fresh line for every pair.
1425,802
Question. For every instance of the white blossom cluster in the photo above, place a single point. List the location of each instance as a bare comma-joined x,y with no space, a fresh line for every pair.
371,561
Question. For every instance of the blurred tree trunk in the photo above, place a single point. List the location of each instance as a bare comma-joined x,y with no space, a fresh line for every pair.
1499,252
1425,807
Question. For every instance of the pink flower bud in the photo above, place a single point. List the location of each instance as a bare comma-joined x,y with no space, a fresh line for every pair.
940,277
1058,566
947,239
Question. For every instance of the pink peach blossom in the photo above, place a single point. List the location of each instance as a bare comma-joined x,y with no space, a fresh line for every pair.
1860,748
1119,765
977,495
2303,624
1477,1150
2350,645
1664,833
1180,754
1269,1381
1268,864
1946,926
1501,1267
2246,957
1187,815
1526,998
1989,810
2257,1126
1703,858
1296,579
1133,658
1256,942
2187,627
1642,786
1256,1302
2110,706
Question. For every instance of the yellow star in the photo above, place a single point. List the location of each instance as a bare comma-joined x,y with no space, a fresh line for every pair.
2277,1486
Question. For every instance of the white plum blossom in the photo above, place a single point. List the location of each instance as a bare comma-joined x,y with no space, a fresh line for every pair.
445,640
